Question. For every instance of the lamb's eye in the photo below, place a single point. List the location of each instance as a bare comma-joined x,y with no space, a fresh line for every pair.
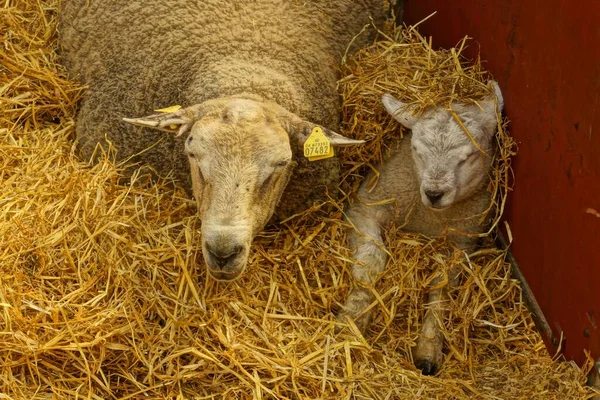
470,157
281,164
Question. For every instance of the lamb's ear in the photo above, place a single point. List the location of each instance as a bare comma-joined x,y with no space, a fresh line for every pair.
178,122
398,110
489,104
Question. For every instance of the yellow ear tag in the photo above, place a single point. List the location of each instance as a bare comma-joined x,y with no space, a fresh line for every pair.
317,146
171,109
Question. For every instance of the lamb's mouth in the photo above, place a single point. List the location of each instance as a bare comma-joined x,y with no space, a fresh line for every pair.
438,207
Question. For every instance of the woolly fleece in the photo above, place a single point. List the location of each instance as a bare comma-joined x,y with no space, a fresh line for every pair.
137,56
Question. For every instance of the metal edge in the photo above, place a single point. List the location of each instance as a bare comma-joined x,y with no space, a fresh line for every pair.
552,342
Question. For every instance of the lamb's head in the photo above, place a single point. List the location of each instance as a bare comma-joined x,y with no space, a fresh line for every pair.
449,165
241,158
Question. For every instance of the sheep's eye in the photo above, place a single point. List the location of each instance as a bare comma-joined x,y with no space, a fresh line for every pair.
467,158
193,156
420,157
267,183
416,153
274,174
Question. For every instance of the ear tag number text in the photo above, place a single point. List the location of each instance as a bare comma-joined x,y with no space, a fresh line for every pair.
318,146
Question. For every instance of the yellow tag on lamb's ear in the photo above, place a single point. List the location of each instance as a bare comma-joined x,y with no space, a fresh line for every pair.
171,109
317,146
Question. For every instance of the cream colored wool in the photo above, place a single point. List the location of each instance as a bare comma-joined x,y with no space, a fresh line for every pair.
137,56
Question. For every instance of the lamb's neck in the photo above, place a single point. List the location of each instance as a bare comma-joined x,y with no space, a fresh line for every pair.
230,77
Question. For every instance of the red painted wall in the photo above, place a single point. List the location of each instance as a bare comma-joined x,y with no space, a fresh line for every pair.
546,58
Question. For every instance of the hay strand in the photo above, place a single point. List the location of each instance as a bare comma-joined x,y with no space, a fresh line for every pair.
103,294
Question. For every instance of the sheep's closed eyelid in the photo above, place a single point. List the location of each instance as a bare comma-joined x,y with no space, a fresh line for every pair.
470,156
267,182
281,164
277,171
196,159
419,155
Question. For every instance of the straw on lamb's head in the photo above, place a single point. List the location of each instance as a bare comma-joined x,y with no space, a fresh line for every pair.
450,165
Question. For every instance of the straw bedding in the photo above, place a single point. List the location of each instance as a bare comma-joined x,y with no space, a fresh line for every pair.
103,293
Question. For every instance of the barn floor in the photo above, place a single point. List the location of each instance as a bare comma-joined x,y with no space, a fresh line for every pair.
103,293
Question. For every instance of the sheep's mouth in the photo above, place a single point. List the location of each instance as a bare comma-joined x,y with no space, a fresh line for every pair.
229,269
224,276
437,207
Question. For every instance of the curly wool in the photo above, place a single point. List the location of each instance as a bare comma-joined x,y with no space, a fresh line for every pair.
139,56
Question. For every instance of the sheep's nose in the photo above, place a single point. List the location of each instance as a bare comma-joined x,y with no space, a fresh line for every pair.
434,195
223,258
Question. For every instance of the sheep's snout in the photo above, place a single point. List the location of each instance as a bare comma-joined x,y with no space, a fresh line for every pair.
226,252
437,198
226,265
223,260
433,196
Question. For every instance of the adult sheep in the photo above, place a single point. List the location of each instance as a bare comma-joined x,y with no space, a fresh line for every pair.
255,78
439,180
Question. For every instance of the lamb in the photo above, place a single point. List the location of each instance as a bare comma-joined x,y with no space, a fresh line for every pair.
255,77
439,180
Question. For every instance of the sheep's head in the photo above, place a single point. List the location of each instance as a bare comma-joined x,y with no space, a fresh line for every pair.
449,165
241,159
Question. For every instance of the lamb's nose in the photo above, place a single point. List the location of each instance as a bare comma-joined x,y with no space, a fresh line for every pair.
222,258
434,195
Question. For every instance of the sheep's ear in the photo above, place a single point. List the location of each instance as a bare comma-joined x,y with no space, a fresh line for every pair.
338,140
498,97
302,129
493,102
398,110
179,121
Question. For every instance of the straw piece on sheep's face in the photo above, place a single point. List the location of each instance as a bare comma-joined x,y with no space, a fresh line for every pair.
450,164
241,160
